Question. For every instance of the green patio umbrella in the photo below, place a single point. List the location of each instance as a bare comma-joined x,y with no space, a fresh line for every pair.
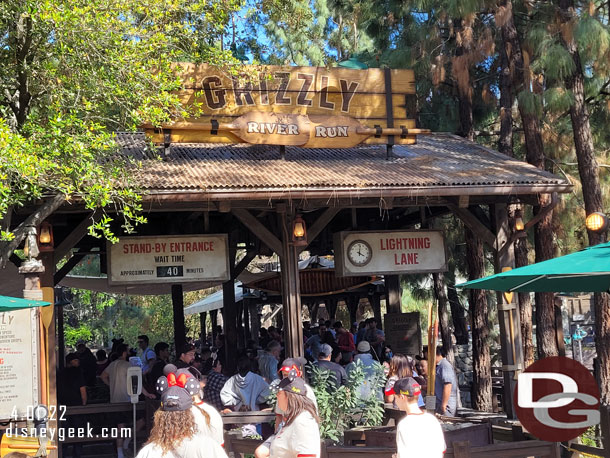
583,271
8,304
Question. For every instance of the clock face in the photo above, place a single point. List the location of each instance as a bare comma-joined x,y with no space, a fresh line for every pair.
359,253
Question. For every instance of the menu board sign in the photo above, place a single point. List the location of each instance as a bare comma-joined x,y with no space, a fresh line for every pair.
168,259
403,332
18,363
389,252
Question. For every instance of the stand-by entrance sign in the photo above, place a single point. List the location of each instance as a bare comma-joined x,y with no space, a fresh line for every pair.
389,252
168,259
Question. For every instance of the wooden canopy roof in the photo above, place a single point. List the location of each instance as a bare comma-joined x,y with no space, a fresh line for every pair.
438,165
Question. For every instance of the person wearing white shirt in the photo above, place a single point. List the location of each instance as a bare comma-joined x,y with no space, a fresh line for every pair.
174,433
299,437
419,434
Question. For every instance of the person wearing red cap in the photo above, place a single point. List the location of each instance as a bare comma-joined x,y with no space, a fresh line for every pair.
418,434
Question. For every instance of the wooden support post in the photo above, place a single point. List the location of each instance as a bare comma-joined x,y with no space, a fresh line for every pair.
239,324
214,323
61,341
353,310
246,313
255,321
229,312
375,301
393,293
291,295
202,325
47,285
179,328
508,311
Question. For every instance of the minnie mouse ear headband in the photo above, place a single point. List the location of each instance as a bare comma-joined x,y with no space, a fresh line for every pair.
176,391
292,364
406,387
293,384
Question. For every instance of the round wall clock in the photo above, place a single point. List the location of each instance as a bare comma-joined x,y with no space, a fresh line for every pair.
359,253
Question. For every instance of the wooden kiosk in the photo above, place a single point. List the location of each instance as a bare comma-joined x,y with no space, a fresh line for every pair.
287,159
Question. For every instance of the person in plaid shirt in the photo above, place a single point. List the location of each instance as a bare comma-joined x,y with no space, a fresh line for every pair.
214,383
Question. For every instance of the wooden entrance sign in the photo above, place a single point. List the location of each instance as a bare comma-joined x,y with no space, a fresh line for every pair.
334,107
260,128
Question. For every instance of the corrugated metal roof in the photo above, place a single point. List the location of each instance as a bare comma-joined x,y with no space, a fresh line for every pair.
437,160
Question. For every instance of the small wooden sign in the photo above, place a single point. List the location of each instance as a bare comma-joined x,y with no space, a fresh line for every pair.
389,252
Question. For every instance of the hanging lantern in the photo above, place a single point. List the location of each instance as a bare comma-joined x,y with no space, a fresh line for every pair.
519,225
45,237
299,232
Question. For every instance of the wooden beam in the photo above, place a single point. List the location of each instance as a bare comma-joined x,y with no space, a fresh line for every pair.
316,228
75,236
179,327
247,259
258,229
68,266
475,225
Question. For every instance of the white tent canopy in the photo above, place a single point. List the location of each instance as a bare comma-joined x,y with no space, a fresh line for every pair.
213,301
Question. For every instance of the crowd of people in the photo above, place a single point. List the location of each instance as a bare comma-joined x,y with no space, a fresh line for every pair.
194,388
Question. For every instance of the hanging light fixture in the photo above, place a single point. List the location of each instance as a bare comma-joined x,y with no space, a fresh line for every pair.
597,222
45,237
299,232
519,225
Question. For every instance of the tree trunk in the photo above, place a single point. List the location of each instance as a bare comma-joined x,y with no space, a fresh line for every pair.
507,98
443,315
525,306
592,195
457,314
481,357
543,233
505,146
465,102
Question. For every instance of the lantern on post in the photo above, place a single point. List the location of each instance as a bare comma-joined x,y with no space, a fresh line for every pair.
45,237
299,232
597,222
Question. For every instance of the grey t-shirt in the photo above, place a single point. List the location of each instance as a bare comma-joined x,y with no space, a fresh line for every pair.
446,374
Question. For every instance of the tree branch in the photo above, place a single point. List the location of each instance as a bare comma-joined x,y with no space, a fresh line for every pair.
45,210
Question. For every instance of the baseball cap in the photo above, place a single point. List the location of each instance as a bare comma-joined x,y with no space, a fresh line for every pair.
293,363
325,350
364,346
406,386
293,384
176,391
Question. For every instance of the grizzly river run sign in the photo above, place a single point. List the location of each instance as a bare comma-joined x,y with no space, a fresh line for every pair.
313,107
168,259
